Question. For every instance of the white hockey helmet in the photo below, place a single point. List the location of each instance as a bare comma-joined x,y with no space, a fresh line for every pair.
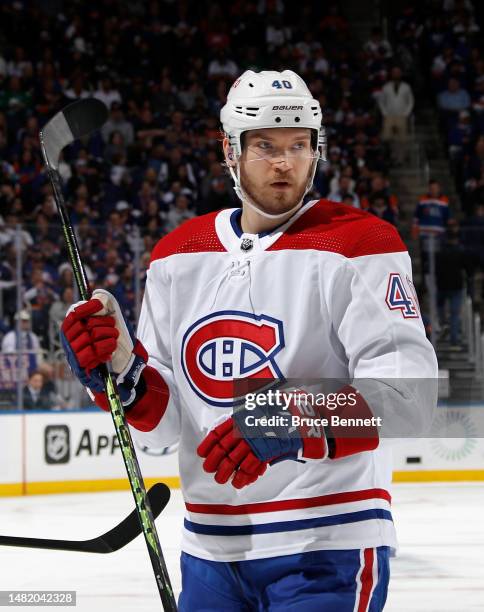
270,99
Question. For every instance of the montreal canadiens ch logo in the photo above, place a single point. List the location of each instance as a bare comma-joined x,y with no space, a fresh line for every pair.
229,345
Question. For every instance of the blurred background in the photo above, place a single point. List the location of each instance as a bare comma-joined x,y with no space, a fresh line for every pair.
401,85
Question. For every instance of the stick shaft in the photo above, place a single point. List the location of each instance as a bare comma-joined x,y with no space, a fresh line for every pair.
70,237
135,478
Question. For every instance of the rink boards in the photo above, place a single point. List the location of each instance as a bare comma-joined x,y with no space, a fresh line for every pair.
77,451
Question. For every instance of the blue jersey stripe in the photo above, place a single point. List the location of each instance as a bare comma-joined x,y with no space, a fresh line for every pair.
310,523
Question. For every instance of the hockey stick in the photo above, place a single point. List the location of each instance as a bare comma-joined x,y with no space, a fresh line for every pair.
76,121
111,541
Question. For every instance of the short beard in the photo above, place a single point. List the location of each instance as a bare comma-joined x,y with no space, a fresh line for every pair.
279,203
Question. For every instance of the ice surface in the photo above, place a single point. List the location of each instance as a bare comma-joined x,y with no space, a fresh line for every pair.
439,567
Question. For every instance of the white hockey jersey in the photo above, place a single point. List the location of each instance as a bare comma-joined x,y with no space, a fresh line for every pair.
326,295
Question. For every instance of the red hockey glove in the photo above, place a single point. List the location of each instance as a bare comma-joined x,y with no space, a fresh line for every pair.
241,449
230,457
95,332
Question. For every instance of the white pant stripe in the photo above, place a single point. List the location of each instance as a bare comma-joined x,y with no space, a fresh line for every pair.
364,605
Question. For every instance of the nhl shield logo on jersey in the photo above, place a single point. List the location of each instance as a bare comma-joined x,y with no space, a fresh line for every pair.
246,244
230,345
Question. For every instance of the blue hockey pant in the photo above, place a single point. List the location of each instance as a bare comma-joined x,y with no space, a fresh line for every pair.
320,581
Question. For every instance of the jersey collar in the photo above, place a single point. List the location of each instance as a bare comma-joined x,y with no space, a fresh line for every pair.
230,234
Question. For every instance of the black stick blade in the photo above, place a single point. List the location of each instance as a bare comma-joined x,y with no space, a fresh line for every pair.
130,528
126,531
76,120
85,116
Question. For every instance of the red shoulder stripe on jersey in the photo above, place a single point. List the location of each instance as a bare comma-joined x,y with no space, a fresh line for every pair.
290,504
196,235
338,228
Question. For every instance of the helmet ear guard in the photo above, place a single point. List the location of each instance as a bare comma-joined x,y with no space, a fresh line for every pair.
230,157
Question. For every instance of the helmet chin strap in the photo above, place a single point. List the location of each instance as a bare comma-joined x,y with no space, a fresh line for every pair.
250,204
245,198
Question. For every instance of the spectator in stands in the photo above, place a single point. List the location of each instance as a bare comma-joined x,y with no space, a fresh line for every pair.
178,213
216,190
473,234
442,61
148,127
380,207
345,190
455,98
106,93
38,297
474,192
396,105
380,185
377,46
8,280
15,98
222,66
57,313
464,25
459,135
37,395
65,277
475,163
19,65
117,123
28,136
115,150
42,230
430,220
277,34
27,341
8,231
452,265
77,89
432,212
334,25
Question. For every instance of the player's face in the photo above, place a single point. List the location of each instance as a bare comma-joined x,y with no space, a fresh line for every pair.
275,166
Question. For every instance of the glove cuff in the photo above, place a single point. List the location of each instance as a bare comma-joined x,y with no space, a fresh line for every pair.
129,380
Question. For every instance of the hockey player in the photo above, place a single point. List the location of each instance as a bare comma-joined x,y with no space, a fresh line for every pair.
276,289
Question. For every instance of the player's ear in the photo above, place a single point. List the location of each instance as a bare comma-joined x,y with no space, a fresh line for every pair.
229,153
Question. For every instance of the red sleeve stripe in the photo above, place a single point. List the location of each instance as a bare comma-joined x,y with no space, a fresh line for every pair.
145,413
290,504
148,411
355,439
